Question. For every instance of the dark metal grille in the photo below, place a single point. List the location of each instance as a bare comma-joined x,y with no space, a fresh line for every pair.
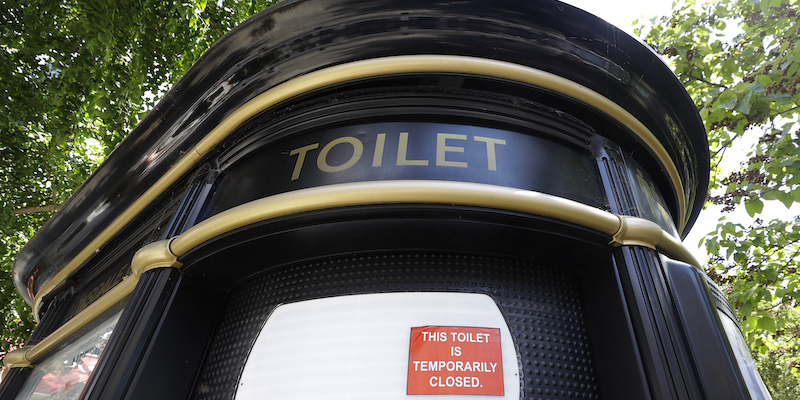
541,304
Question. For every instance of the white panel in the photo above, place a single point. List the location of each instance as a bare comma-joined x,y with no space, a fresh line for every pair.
357,347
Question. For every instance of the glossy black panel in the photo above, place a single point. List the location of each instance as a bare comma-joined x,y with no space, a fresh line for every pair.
617,354
629,188
302,36
13,382
383,228
707,342
130,342
411,150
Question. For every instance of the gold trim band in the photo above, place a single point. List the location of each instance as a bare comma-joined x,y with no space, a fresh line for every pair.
365,69
624,230
17,358
26,355
395,192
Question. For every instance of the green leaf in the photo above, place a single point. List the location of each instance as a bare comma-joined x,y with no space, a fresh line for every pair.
727,100
746,309
782,98
766,323
786,198
770,274
764,80
796,195
743,105
749,294
756,87
770,195
712,246
753,207
764,5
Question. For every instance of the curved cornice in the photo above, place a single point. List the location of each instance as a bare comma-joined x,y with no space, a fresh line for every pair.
354,71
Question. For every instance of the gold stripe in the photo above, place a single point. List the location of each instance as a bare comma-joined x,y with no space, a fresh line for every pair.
624,230
635,231
26,355
395,192
364,69
152,256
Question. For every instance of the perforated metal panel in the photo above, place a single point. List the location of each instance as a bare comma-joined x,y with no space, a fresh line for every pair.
540,303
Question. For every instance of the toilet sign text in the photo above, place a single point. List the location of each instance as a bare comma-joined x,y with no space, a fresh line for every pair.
340,154
455,360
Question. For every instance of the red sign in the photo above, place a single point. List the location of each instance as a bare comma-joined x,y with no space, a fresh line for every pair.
455,360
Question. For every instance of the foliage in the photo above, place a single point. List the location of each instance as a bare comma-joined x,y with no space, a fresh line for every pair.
774,364
740,62
758,266
75,77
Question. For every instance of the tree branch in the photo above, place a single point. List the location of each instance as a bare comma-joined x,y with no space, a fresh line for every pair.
691,76
783,112
31,210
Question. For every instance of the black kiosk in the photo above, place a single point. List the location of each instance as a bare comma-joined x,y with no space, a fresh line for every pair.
387,199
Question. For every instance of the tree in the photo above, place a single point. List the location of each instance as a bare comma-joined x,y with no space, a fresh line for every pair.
739,60
772,364
75,77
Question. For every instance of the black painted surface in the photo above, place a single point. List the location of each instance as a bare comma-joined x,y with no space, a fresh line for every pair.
617,354
173,357
302,36
522,161
13,382
545,274
392,228
126,348
707,342
671,372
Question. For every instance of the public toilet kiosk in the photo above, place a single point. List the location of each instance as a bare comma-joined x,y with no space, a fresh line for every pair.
392,199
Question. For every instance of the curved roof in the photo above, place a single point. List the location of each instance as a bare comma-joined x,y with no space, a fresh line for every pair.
295,38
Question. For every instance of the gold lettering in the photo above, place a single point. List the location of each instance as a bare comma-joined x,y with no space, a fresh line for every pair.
402,152
491,155
322,159
377,158
301,158
442,149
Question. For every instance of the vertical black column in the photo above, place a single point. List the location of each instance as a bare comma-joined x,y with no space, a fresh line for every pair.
131,338
640,279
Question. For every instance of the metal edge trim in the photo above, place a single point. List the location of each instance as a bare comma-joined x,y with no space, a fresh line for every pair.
364,69
25,356
394,192
17,359
625,230
153,255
